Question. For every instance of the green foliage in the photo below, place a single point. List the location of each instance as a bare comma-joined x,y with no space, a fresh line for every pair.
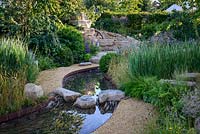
105,61
151,90
14,57
170,124
87,57
17,66
43,43
93,49
63,56
73,39
34,16
143,25
163,60
45,63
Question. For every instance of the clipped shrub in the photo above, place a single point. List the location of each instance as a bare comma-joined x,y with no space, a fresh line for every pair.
63,56
73,39
45,63
105,61
14,57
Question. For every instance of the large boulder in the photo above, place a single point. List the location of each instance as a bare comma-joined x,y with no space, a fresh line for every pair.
68,95
33,91
110,95
85,101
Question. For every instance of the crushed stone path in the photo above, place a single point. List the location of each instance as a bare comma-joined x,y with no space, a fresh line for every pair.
52,79
130,117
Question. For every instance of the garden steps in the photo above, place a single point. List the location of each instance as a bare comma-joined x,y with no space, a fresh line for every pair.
189,76
108,41
181,83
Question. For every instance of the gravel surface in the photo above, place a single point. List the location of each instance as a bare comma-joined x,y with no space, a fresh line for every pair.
130,117
52,79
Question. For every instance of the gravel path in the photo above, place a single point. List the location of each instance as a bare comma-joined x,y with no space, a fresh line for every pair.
52,79
130,117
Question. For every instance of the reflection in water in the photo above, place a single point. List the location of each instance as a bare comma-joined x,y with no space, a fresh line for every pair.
52,122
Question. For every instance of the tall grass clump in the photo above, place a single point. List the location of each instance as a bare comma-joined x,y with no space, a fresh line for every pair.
163,60
11,91
14,56
17,66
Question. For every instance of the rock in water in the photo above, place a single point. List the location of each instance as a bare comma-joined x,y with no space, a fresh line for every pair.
33,91
68,95
110,95
85,101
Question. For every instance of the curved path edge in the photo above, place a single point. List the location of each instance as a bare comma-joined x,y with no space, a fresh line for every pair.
53,78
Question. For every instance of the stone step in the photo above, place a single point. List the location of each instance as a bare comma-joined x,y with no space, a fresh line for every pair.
106,42
89,32
189,77
181,83
107,48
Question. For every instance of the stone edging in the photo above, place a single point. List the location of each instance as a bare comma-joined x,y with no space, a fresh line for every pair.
76,72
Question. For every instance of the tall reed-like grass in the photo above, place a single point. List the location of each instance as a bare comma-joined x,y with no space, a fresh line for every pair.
14,56
17,66
11,91
163,60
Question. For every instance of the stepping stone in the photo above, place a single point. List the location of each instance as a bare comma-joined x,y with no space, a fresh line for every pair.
85,102
85,63
110,95
189,76
68,95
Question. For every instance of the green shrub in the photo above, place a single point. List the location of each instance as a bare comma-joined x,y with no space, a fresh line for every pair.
43,43
163,61
162,95
73,39
63,56
87,57
93,49
105,61
45,63
14,57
